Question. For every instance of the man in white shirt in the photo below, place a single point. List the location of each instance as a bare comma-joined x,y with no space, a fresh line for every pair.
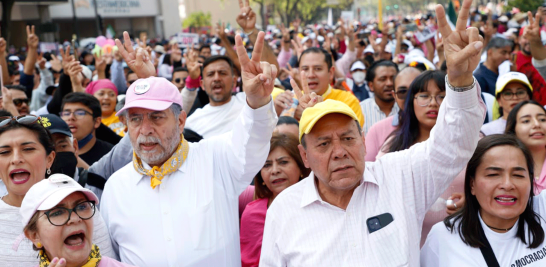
218,81
176,204
357,214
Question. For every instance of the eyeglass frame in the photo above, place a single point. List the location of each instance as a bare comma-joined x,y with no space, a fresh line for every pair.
516,94
70,212
430,99
17,118
21,101
74,113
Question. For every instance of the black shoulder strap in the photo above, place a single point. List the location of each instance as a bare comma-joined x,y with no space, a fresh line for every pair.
487,251
82,176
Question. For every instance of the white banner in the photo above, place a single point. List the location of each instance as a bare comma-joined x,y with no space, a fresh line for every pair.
186,39
48,47
105,8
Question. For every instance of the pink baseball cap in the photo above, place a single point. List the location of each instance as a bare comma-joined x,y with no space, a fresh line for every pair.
152,93
47,193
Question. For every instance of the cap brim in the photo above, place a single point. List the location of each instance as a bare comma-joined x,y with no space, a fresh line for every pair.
56,197
60,132
312,123
513,80
156,105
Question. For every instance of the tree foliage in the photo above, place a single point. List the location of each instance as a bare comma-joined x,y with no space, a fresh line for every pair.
197,20
524,5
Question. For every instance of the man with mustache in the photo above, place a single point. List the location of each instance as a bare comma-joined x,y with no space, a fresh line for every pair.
218,80
380,80
176,203
352,213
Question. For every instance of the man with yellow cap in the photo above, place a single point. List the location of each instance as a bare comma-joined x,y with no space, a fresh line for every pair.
510,89
348,213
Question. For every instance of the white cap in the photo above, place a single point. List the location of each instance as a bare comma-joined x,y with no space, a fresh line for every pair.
503,18
320,38
159,49
87,73
408,44
304,39
358,65
13,58
369,49
47,193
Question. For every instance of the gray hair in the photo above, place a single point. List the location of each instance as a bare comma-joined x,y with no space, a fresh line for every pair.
499,42
175,108
303,136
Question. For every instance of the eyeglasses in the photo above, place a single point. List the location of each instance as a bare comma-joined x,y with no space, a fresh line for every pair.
24,119
508,95
424,100
131,82
60,216
401,93
19,101
79,113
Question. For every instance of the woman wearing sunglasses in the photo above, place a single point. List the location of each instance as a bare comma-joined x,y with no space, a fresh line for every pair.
426,94
26,154
57,214
106,92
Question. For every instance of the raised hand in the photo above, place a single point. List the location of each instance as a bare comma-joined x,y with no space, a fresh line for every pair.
3,45
32,38
246,18
67,58
55,62
258,77
221,31
306,97
298,47
100,66
193,66
139,60
532,31
76,77
283,101
462,47
7,102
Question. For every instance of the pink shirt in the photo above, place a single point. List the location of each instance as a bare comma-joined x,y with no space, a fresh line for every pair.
244,198
252,232
376,136
109,262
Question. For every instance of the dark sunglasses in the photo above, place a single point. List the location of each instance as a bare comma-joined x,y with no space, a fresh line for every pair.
25,119
19,101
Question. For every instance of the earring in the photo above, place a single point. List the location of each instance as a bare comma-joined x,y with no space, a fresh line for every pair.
39,245
48,171
263,183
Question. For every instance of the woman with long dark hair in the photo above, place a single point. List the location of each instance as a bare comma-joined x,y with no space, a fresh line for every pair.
527,121
501,222
425,95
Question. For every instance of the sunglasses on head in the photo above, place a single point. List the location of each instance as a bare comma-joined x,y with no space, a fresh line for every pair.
24,119
19,101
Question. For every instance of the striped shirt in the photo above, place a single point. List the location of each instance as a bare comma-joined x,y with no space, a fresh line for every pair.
373,114
303,230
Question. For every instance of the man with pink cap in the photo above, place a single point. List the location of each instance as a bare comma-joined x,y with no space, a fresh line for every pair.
176,203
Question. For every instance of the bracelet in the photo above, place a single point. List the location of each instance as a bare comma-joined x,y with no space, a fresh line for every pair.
249,33
461,89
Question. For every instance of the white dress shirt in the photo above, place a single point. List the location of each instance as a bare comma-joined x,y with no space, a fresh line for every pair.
191,218
303,230
373,113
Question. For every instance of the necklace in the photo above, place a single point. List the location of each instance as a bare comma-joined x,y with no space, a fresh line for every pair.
500,229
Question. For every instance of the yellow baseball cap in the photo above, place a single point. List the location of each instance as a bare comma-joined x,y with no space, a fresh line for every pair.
313,114
509,77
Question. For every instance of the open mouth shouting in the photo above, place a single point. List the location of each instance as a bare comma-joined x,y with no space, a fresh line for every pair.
76,240
19,176
506,200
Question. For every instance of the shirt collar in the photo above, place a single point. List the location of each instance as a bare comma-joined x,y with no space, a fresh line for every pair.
310,191
395,120
327,92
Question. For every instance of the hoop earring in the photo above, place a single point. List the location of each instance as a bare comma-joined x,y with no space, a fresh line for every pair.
48,171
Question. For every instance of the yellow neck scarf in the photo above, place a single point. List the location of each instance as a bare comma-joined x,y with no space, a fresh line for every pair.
93,261
171,165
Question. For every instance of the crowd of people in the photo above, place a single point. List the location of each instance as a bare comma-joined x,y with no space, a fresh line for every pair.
321,145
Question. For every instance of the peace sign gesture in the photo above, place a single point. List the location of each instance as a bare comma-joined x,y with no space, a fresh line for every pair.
258,77
462,47
138,60
32,38
247,18
306,97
